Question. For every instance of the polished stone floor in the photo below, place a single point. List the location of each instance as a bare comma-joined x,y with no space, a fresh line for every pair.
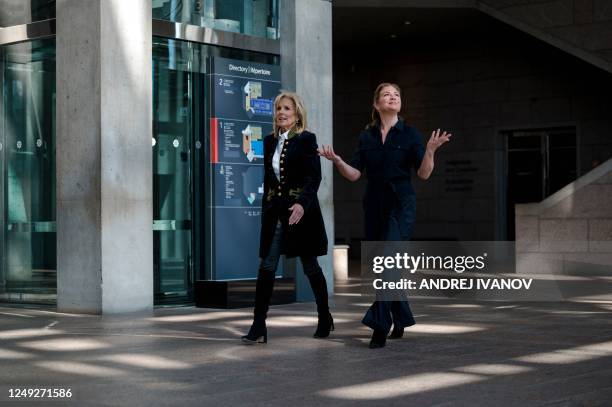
460,353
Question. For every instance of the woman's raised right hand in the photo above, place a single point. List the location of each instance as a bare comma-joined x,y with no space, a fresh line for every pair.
328,152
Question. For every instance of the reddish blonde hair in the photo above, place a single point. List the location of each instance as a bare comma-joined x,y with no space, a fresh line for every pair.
379,88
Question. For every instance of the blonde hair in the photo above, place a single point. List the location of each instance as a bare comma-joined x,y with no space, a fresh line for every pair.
301,121
377,92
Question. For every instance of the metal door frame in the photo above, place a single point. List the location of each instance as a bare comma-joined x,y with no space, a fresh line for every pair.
160,28
501,168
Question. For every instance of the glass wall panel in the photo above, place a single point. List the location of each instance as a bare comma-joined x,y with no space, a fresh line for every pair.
174,104
251,17
16,12
181,126
27,176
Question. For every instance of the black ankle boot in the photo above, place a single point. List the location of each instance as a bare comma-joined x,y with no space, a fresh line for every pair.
397,333
379,339
324,326
257,334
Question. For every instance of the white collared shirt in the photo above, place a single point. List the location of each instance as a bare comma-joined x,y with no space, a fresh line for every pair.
276,157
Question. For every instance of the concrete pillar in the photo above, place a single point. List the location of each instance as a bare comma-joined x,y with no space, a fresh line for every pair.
306,68
15,12
104,159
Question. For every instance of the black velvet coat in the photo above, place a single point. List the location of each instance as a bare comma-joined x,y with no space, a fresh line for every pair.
300,171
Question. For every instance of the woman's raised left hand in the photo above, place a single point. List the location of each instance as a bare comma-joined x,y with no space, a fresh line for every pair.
437,139
297,211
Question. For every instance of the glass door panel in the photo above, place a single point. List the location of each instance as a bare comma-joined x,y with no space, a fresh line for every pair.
540,162
175,111
27,178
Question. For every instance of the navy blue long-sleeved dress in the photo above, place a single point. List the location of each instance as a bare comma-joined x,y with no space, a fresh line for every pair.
389,203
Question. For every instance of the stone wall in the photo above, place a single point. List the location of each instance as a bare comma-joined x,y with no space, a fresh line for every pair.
569,232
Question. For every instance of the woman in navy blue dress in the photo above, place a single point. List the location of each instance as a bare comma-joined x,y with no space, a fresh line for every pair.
388,151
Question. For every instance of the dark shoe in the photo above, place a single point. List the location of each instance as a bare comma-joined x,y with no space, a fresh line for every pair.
324,326
379,339
397,333
257,334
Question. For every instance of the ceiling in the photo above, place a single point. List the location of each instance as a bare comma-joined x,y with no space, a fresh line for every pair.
370,25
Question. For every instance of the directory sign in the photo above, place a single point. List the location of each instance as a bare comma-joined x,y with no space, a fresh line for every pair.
242,109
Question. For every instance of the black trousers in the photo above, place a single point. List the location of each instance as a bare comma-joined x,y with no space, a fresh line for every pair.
266,277
382,314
